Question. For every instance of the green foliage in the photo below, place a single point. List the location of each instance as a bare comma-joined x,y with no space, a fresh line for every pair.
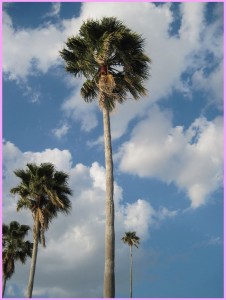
108,42
44,191
131,238
89,90
14,248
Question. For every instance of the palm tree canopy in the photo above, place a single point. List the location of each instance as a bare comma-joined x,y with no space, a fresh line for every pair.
131,238
108,46
44,191
14,248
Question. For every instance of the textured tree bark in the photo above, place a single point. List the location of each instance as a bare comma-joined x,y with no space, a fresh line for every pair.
33,262
3,285
131,273
109,268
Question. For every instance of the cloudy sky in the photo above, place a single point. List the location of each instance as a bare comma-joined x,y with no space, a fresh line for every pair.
168,150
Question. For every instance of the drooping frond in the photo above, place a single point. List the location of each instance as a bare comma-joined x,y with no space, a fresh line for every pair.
23,203
89,90
79,57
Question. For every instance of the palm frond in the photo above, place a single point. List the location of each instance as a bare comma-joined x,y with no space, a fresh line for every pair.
23,203
45,193
89,90
108,42
131,239
14,247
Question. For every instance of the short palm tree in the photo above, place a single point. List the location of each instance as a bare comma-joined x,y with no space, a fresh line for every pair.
111,58
130,238
14,248
44,191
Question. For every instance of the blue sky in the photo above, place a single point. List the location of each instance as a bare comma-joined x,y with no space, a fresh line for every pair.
167,147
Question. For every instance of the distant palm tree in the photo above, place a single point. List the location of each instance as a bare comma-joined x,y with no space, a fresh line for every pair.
131,239
14,248
44,191
111,57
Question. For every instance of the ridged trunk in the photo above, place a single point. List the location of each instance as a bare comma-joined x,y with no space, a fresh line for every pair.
33,262
3,286
109,268
131,273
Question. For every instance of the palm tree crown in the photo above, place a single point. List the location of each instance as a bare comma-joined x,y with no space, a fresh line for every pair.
131,238
44,191
107,48
14,248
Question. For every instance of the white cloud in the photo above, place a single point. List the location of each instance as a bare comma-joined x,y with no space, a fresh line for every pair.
55,10
29,51
97,142
14,159
164,213
140,215
97,173
192,158
77,240
192,21
61,131
78,110
212,84
209,241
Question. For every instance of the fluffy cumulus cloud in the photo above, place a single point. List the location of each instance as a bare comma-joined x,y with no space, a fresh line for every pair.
140,215
191,158
192,18
31,51
77,240
28,51
14,158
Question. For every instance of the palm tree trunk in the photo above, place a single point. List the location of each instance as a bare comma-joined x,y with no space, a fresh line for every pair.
33,262
109,269
131,273
4,285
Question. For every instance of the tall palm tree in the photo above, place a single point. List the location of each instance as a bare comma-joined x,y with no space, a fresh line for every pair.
14,248
131,239
111,58
44,191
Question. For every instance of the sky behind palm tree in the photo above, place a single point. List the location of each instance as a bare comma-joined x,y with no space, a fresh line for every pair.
168,150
